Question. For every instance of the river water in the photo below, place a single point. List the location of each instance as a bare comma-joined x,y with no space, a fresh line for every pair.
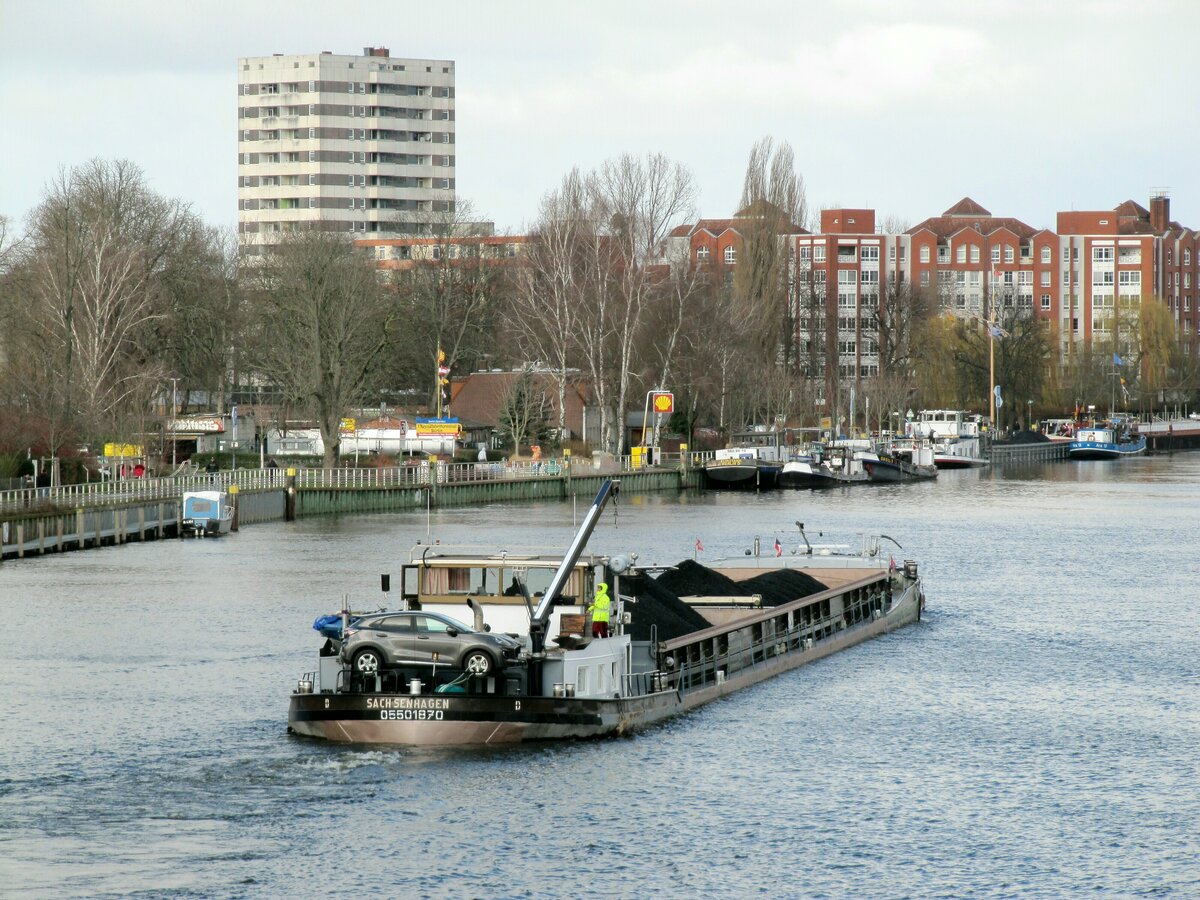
1036,735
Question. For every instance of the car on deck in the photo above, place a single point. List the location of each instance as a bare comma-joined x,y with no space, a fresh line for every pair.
416,639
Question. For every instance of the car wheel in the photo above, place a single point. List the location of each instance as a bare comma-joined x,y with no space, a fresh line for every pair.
477,662
367,662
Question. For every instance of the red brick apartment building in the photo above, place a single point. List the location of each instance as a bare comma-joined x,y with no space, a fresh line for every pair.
978,265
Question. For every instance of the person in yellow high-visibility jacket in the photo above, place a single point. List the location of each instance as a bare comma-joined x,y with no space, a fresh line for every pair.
600,608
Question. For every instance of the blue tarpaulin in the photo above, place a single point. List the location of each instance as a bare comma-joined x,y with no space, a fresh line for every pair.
330,626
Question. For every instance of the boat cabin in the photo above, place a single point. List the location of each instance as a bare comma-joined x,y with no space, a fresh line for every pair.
441,579
205,513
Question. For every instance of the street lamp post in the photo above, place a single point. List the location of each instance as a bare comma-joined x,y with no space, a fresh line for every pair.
174,413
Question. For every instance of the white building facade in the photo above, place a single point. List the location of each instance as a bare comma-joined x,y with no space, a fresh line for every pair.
360,144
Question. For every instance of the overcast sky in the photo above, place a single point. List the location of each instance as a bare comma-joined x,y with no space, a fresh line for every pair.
1029,106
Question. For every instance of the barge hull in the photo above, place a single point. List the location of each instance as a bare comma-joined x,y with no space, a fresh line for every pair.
450,720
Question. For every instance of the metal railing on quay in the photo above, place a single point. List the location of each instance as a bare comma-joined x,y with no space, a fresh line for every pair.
135,490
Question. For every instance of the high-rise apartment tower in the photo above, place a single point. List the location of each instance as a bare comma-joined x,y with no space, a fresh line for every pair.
361,144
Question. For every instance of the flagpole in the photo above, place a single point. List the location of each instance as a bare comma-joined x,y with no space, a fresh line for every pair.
992,350
992,373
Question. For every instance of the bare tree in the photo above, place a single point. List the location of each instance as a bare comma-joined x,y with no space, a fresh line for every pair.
200,335
550,283
671,321
640,200
323,324
93,266
448,294
773,207
525,411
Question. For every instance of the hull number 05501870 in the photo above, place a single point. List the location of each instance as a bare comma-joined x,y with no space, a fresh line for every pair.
411,715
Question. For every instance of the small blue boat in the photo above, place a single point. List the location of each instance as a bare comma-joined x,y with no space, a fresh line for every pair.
206,514
1103,442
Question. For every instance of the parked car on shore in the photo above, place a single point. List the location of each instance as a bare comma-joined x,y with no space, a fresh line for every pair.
387,640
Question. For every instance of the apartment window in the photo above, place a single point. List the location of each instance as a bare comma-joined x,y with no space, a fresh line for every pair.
960,301
362,87
1130,278
351,178
350,87
362,111
312,202
960,277
312,133
1075,254
943,254
924,279
847,276
924,258
1046,255
312,179
445,160
902,253
312,155
1187,256
730,255
702,254
362,180
246,89
1066,276
819,277
1008,254
1102,254
1187,303
974,254
362,134
1187,280
961,254
892,253
996,254
976,279
1045,279
312,87
1066,254
1045,301
819,253
805,256
1025,277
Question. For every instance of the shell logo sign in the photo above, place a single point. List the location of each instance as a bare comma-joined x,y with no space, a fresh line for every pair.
662,402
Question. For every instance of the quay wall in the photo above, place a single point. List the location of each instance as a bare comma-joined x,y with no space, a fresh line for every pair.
53,526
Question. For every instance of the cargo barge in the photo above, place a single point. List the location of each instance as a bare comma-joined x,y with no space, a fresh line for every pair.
563,682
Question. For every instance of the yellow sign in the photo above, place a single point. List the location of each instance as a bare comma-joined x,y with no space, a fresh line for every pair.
826,422
662,402
439,428
123,450
348,426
